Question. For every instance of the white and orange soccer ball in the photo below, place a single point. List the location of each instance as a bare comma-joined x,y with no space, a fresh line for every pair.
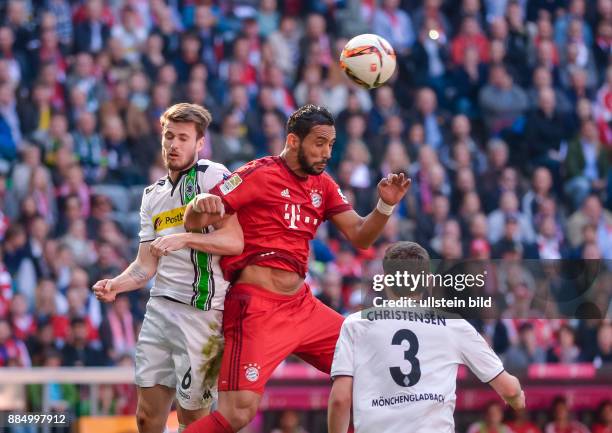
368,60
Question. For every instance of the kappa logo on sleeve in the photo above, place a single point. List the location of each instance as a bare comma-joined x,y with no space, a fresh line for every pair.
230,184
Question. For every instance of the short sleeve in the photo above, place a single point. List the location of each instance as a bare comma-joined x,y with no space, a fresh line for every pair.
147,232
477,354
240,188
214,174
336,201
344,355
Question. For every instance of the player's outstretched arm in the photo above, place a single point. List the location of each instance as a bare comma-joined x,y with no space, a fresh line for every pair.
339,405
226,240
362,232
205,210
509,388
134,277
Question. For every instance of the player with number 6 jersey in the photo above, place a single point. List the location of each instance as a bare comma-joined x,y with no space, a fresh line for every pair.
180,342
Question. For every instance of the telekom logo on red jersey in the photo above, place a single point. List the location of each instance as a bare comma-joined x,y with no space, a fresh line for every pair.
293,215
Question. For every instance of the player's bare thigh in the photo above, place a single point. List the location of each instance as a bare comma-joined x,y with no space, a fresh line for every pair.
154,405
238,407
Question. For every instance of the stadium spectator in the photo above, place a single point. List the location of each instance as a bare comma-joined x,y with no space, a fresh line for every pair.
524,352
492,422
561,419
41,343
289,422
509,208
470,35
231,146
565,350
13,351
603,349
586,164
544,132
591,212
427,113
22,322
117,332
78,351
541,184
502,102
604,421
522,424
394,24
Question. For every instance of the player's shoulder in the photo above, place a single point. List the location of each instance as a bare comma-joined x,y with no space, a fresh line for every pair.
328,182
206,164
149,190
211,170
260,165
355,319
460,326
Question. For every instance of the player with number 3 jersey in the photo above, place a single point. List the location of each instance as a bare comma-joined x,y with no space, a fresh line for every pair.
397,368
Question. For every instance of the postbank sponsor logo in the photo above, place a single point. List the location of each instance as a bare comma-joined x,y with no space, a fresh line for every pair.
170,218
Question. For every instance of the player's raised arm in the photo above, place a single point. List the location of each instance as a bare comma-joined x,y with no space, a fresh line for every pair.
363,231
135,276
509,388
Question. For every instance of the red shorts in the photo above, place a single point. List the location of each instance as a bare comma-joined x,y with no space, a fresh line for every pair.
262,328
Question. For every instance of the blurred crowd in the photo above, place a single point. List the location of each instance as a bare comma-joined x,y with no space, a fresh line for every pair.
494,418
500,112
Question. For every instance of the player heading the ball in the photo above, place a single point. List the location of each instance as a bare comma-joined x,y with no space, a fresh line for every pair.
270,313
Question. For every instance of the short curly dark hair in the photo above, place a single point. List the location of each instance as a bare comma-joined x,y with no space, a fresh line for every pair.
406,257
305,118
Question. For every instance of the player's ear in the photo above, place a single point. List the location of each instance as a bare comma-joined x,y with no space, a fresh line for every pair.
200,143
293,141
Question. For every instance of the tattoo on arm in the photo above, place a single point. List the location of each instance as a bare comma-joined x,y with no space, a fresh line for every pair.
137,273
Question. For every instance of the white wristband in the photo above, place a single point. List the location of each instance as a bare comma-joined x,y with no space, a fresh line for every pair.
384,208
194,206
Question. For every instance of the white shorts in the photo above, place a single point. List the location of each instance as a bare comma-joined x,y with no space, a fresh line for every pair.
180,347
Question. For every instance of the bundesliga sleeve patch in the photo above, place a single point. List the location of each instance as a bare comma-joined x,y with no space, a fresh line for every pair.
230,184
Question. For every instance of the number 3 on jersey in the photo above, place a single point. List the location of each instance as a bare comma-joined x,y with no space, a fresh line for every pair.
414,376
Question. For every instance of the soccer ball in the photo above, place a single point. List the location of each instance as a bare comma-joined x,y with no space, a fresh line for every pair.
368,60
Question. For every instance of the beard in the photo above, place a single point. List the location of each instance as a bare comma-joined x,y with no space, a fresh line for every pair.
309,168
176,165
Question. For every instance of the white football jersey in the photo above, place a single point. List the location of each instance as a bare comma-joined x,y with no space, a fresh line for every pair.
404,366
188,276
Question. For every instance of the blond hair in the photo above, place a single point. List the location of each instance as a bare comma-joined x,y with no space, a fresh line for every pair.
185,113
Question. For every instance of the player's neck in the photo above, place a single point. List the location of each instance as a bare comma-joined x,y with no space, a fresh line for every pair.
175,175
292,163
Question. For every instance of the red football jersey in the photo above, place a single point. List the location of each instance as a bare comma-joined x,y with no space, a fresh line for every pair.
279,212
